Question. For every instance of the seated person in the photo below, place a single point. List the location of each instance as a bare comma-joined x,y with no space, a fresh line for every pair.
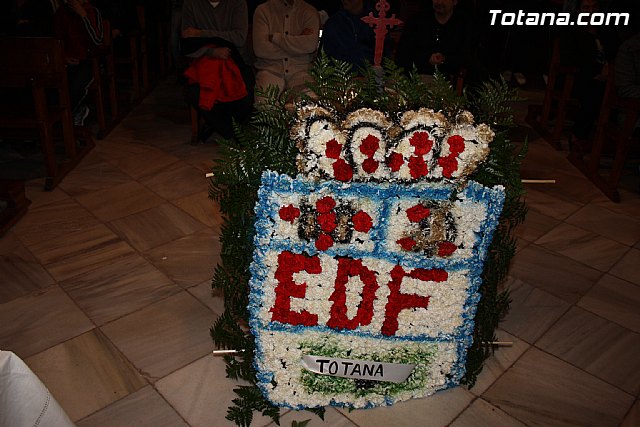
347,38
216,31
79,25
590,49
436,39
627,68
285,40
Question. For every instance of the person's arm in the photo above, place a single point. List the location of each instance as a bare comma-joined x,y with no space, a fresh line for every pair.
299,44
91,19
237,33
263,46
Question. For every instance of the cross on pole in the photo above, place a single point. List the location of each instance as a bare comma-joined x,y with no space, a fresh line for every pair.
380,25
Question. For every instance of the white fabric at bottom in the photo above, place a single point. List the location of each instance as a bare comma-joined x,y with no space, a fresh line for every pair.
24,400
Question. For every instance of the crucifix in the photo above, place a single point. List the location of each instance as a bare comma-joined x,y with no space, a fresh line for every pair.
380,25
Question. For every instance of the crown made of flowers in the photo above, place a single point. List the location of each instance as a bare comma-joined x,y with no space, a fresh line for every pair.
368,145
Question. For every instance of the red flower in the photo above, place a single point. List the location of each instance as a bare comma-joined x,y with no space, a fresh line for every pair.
449,165
418,213
324,242
326,204
421,142
407,243
327,221
417,167
333,150
394,161
446,248
456,144
342,171
369,145
370,165
362,222
289,213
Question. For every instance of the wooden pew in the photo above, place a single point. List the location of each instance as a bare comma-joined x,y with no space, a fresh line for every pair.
37,64
557,100
104,77
614,133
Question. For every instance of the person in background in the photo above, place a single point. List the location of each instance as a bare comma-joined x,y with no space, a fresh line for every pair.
285,40
176,31
347,38
79,25
590,49
627,67
439,39
35,18
214,36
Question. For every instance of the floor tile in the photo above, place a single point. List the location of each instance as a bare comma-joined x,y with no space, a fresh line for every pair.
11,246
616,300
542,202
628,267
34,190
622,228
633,416
36,322
156,226
119,288
146,163
535,225
558,394
483,414
201,393
212,298
165,336
434,411
119,201
145,407
501,360
120,145
583,246
602,348
80,251
553,273
190,260
332,417
87,178
532,311
201,207
52,221
20,277
176,180
85,374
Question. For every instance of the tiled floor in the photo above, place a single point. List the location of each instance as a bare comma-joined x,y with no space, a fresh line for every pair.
105,293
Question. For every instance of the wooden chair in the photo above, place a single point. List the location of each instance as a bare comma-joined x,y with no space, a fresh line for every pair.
16,203
38,65
132,54
557,100
615,129
104,76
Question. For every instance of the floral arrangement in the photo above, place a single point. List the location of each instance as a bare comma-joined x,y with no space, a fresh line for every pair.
430,223
370,260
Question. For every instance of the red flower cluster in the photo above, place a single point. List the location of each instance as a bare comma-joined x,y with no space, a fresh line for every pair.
449,163
348,267
289,213
289,264
418,213
398,301
369,146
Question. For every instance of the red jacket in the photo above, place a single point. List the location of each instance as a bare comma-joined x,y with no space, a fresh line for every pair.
220,80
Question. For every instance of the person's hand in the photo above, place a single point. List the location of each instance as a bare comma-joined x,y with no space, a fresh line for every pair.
191,32
72,61
307,31
76,6
221,53
436,59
